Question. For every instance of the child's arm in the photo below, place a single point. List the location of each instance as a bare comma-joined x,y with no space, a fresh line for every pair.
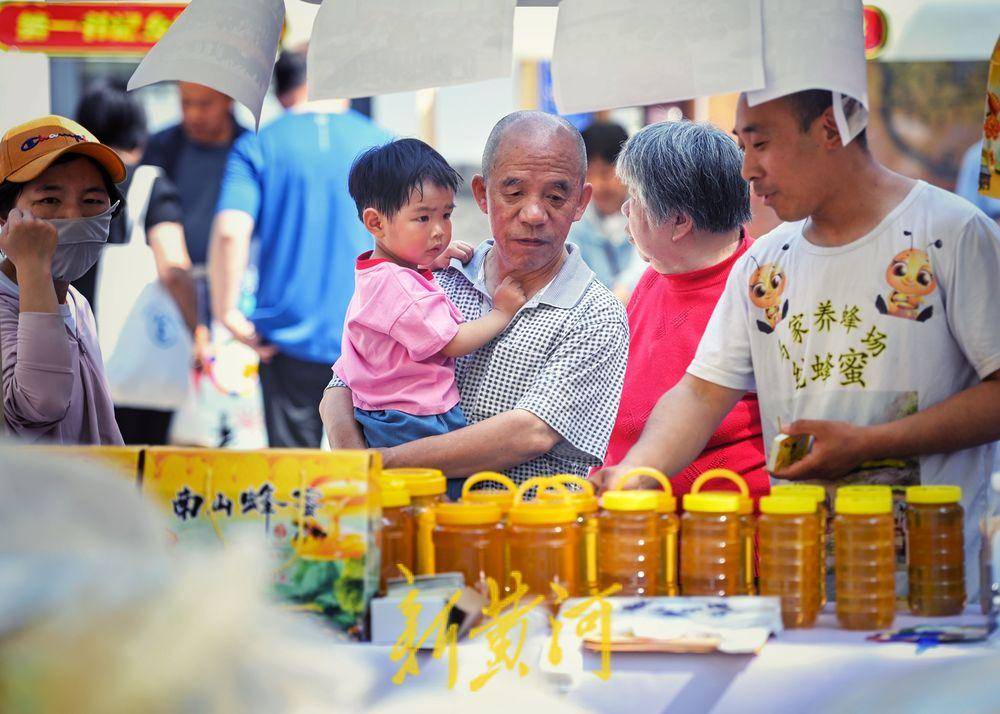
472,335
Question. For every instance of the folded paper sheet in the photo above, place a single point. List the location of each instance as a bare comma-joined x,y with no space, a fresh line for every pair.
367,47
638,52
816,45
221,44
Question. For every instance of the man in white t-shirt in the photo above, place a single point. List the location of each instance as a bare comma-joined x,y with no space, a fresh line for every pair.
871,320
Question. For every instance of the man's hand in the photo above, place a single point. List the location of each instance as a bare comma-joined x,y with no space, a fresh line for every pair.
610,479
29,242
838,448
509,297
458,249
244,331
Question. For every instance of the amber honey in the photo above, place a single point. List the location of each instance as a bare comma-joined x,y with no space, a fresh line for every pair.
585,502
935,546
667,524
789,555
397,542
629,543
427,489
712,545
865,559
817,493
748,524
468,539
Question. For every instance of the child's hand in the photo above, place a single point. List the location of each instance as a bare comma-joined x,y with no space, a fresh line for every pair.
458,249
509,297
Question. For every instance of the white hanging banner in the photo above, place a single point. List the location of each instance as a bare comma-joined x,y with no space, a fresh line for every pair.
817,45
226,45
640,52
365,47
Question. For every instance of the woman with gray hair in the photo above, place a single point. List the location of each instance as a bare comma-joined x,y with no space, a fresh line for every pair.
686,209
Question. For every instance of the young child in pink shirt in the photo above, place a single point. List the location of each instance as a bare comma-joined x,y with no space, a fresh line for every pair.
402,333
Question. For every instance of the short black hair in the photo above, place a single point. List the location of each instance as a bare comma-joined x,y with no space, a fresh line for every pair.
809,105
11,190
113,115
384,176
289,71
604,140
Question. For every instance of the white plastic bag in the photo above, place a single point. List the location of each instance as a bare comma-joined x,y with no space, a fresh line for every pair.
145,343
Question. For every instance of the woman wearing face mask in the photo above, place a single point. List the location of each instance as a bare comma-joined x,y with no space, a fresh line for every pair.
57,198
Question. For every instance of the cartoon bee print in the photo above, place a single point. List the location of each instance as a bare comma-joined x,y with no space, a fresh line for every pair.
911,277
767,285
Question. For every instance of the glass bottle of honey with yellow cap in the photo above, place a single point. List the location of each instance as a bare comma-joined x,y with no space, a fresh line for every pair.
397,542
427,488
629,542
935,546
585,502
788,528
748,524
865,558
543,542
466,538
668,525
817,493
712,545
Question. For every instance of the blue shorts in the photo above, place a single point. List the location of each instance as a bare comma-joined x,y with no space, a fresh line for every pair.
387,427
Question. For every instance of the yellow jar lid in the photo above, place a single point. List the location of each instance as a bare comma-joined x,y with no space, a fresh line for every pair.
502,499
629,501
864,488
712,502
538,513
395,498
864,503
931,495
584,500
419,482
665,502
790,504
812,490
467,514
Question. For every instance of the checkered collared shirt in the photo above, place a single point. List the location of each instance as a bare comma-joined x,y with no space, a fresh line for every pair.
562,358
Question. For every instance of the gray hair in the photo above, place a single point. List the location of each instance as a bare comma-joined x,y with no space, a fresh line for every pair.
533,121
683,167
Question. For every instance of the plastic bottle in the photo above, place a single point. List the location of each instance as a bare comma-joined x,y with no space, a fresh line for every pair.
466,538
789,556
864,556
935,547
427,488
818,493
586,504
543,542
629,543
748,525
397,543
668,525
712,545
502,498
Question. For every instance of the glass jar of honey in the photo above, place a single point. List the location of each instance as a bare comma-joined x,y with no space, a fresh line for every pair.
467,538
817,493
427,488
502,498
585,501
668,525
789,554
629,543
935,547
712,545
748,525
865,559
396,545
543,543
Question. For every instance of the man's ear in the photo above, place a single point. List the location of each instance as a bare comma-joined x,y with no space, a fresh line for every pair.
479,192
374,222
830,134
683,225
586,193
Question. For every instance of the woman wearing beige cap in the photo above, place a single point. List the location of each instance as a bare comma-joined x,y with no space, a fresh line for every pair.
57,199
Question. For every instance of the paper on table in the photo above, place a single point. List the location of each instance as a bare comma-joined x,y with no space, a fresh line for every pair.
817,45
365,47
221,44
637,52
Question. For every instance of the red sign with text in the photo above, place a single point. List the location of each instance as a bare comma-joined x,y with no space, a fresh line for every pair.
85,28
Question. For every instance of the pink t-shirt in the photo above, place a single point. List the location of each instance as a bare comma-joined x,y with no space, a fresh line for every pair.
397,323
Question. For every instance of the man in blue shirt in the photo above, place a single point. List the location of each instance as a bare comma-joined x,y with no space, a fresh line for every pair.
288,187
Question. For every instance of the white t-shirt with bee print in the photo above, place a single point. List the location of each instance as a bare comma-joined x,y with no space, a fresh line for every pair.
894,322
